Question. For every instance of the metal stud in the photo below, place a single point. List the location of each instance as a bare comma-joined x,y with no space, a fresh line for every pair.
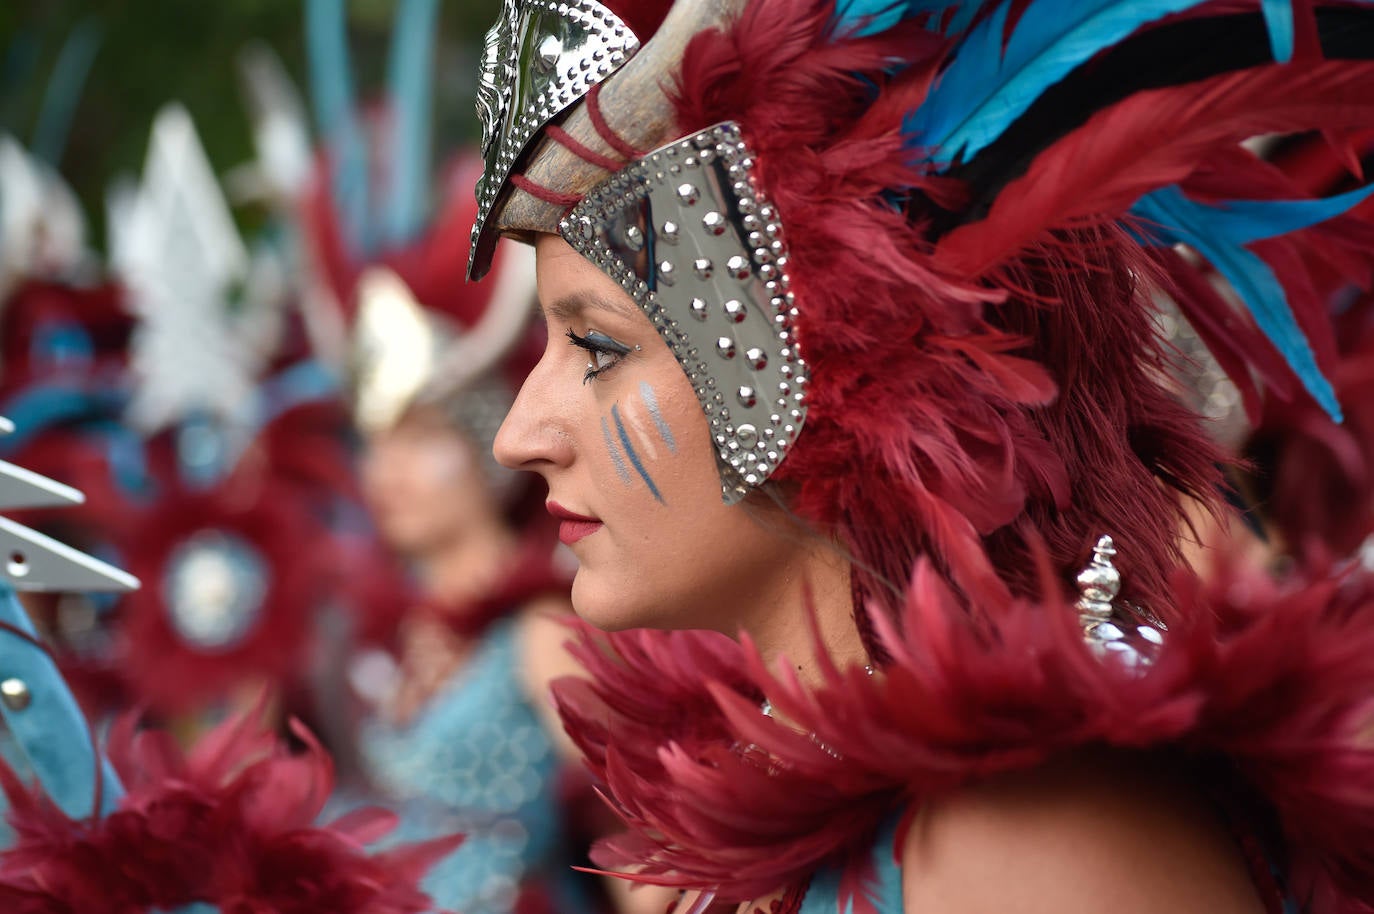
726,261
15,694
634,238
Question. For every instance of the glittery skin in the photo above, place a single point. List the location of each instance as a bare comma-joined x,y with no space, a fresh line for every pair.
630,452
646,393
620,469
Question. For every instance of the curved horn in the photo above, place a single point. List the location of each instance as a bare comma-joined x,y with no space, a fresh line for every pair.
495,334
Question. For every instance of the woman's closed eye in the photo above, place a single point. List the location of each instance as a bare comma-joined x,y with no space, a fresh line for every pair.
605,352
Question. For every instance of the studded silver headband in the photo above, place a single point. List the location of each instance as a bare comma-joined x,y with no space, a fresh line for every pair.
687,233
541,58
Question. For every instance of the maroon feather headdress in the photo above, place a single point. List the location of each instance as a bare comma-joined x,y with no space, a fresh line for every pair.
985,366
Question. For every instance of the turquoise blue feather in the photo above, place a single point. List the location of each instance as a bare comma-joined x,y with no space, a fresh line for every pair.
412,96
987,87
336,115
870,17
1278,19
1220,231
1246,221
64,90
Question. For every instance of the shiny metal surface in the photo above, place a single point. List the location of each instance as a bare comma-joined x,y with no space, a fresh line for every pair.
689,236
541,57
1122,633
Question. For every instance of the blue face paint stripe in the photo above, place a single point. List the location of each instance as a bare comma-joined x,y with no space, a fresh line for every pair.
620,469
646,393
630,452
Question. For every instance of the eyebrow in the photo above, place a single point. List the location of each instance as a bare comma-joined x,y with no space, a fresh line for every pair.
578,303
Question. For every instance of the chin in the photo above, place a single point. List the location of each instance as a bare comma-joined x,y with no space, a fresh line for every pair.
592,606
614,608
607,608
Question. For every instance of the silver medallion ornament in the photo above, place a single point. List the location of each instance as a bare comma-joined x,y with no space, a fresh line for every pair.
541,58
688,235
215,586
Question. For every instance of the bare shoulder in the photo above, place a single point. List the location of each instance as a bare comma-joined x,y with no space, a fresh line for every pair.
1088,834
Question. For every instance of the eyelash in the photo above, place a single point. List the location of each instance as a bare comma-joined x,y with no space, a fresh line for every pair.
598,344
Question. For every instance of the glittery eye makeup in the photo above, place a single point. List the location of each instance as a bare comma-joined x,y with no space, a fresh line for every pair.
605,351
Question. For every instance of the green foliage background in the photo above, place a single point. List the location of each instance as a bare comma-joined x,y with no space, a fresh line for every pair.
151,52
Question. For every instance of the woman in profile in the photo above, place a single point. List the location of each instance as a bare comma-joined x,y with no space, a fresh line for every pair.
852,355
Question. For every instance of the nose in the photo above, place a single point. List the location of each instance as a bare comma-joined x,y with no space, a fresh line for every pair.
536,435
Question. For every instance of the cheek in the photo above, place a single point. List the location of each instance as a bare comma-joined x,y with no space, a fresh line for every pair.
654,441
439,468
413,474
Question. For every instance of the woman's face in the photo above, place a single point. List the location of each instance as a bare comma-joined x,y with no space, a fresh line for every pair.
612,424
424,484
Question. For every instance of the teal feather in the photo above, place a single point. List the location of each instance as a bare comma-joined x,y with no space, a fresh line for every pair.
987,87
412,93
1219,233
1278,19
869,17
336,115
64,90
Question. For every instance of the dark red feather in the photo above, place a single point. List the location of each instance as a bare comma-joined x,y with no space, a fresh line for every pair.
1269,679
232,823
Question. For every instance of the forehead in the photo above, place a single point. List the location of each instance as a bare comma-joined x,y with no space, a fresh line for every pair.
571,286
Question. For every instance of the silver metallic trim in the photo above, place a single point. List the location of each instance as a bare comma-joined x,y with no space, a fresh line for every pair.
21,488
1122,633
541,58
689,236
34,562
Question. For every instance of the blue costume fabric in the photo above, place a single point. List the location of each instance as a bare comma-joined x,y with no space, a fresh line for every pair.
885,891
475,759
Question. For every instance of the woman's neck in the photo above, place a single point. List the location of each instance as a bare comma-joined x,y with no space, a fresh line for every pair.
814,600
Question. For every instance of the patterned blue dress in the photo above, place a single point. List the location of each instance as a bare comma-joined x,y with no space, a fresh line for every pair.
476,759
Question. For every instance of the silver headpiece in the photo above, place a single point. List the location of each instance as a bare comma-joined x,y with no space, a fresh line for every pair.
687,233
1125,632
567,48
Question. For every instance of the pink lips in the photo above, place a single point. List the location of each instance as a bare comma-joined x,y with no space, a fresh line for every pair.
573,527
